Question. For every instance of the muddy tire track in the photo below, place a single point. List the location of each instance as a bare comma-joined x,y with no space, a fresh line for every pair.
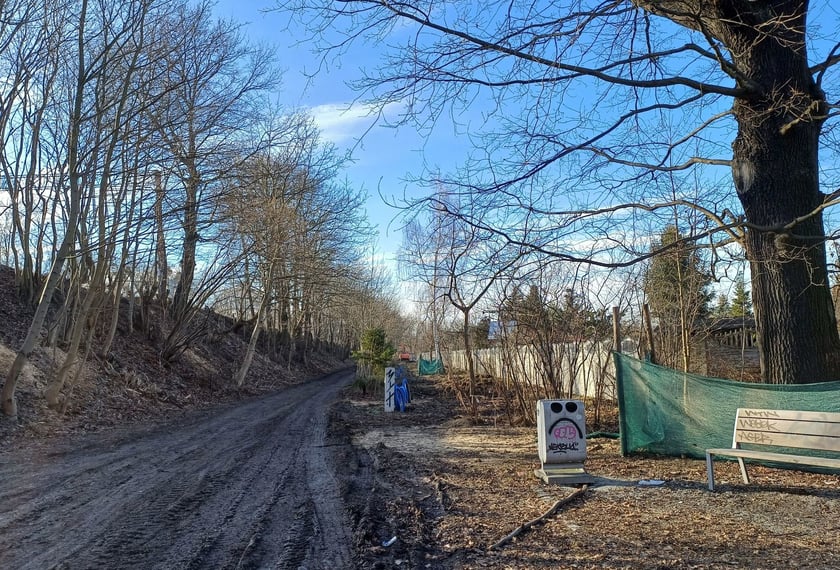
248,486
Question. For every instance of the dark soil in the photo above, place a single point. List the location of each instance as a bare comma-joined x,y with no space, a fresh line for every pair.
157,464
246,486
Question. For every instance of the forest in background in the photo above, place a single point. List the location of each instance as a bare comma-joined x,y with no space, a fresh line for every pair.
146,176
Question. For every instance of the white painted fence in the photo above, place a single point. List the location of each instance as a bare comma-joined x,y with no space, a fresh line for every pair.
583,369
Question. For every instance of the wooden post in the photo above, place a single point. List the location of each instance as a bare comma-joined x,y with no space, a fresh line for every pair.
616,329
649,332
619,381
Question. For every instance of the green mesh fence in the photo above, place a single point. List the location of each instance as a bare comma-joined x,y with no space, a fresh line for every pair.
428,367
673,413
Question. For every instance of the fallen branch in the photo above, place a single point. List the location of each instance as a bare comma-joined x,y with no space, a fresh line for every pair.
554,508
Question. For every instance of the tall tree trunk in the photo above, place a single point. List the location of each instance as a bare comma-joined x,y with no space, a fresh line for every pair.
161,266
468,351
252,343
184,306
258,325
114,319
776,173
84,321
30,343
65,249
183,291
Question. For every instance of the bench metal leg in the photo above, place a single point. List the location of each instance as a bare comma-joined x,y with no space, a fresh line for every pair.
744,475
710,471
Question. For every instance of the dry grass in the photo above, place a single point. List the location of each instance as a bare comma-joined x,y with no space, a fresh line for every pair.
449,491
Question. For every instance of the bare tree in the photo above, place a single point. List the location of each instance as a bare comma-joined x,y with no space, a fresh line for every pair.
468,279
210,83
462,264
32,39
74,199
368,299
114,46
617,94
301,233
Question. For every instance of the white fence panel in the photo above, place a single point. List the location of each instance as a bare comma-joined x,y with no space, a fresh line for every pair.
581,369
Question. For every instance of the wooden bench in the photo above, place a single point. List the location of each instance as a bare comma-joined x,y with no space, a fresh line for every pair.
766,431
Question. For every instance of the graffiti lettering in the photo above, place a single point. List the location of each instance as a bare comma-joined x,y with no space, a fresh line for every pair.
565,428
760,413
563,447
389,389
757,423
756,437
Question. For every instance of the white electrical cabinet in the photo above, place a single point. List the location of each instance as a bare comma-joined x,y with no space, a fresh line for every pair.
561,441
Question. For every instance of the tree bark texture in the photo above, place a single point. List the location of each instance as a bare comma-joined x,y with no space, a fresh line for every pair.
776,173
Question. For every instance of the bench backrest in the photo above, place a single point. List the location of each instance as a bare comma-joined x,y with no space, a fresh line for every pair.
787,428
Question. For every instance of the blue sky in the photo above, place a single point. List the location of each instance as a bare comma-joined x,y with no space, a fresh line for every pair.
386,155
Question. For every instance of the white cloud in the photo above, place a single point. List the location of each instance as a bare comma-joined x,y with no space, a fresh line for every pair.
342,122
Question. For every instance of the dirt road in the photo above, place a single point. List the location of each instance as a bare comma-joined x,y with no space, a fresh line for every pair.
250,486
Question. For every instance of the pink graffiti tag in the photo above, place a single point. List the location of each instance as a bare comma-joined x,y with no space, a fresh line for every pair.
567,432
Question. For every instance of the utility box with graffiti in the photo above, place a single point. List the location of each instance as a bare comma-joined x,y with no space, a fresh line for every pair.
397,395
561,442
390,384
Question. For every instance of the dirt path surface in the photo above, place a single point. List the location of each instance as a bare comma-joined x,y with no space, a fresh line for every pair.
247,486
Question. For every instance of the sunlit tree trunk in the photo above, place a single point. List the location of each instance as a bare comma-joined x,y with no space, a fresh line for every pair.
776,172
255,332
66,248
161,264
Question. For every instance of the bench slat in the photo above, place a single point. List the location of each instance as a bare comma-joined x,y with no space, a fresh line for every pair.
825,443
784,429
833,417
779,457
829,429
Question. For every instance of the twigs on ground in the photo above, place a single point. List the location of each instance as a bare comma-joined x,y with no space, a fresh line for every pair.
554,508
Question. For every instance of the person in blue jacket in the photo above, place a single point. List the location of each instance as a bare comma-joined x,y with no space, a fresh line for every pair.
402,395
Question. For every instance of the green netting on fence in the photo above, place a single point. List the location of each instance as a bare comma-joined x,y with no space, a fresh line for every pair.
428,367
673,413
